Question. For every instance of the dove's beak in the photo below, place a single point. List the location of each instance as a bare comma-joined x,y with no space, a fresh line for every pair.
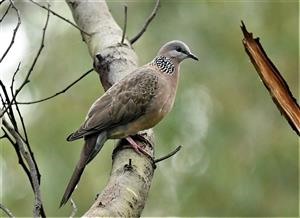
190,55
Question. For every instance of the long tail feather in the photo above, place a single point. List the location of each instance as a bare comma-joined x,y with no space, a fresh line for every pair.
92,146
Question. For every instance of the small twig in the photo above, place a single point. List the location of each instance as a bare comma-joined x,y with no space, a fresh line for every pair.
148,21
60,92
6,210
10,110
61,17
26,80
2,1
17,107
5,13
14,31
13,78
74,208
125,24
168,155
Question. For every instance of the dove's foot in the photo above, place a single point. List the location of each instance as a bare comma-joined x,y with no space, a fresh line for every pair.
138,149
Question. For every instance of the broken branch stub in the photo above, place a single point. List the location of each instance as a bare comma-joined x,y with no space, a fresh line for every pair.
273,80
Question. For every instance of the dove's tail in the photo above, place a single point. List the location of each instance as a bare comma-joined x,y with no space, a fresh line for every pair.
92,146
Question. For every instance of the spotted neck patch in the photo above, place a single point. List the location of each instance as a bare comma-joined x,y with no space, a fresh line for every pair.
164,64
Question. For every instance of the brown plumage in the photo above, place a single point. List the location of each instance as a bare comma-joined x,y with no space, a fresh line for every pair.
137,102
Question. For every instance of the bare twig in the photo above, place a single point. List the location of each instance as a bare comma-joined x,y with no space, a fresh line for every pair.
148,21
17,107
5,13
74,208
168,155
20,158
6,210
125,24
13,78
10,110
38,207
2,1
60,92
61,17
273,80
14,32
26,80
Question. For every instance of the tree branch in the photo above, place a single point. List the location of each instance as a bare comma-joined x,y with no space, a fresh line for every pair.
59,16
127,188
146,24
38,206
168,155
5,13
273,80
14,31
26,80
60,92
6,211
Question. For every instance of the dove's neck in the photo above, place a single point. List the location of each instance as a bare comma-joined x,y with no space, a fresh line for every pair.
164,64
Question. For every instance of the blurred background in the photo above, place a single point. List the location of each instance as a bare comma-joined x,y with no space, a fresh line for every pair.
239,155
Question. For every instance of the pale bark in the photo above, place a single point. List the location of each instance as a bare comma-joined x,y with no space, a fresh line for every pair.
131,174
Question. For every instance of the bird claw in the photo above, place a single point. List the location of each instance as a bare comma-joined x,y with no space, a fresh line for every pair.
138,149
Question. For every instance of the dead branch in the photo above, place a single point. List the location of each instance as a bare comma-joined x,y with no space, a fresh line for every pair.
273,80
60,92
146,24
14,31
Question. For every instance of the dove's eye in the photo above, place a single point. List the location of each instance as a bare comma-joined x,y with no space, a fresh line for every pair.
179,49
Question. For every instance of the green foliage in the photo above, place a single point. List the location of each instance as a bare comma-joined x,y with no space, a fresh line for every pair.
239,155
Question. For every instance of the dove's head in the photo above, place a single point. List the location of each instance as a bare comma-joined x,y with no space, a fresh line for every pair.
176,50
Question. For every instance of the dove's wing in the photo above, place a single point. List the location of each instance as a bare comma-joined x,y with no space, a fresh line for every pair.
124,102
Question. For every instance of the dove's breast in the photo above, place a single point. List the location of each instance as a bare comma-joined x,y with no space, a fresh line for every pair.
158,107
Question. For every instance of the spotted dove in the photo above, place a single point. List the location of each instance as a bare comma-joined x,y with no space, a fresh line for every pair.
137,102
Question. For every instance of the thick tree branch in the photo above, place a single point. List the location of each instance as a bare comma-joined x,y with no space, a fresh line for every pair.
127,189
273,80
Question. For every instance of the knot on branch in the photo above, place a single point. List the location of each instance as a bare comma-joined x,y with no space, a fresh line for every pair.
114,59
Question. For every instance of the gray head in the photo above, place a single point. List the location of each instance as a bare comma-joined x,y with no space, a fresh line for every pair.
176,50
